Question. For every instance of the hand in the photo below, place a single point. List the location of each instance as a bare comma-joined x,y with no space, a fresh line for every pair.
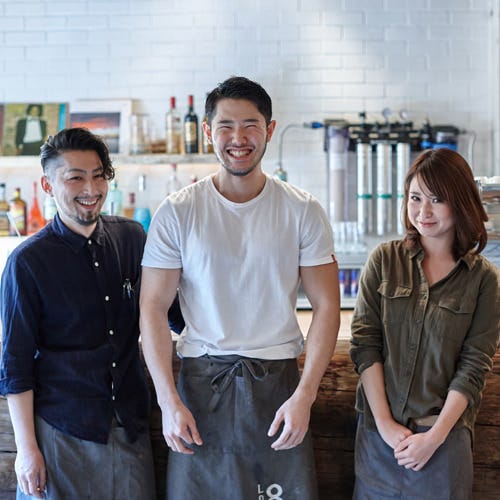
393,432
416,450
179,428
30,471
294,413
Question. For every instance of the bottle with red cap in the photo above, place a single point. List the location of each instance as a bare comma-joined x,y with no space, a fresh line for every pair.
173,128
191,138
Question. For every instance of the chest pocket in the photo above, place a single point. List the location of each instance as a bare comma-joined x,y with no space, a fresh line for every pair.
454,312
394,299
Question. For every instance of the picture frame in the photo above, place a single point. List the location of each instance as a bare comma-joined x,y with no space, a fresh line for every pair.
108,118
25,126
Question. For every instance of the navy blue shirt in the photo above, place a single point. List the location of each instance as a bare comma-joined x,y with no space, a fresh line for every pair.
69,310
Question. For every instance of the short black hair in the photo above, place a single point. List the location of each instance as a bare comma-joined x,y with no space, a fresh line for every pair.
239,87
31,106
75,139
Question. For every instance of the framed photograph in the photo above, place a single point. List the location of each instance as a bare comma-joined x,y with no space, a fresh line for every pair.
26,126
107,118
1,128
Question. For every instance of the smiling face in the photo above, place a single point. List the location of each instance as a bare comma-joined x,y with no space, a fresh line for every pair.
79,189
239,134
431,217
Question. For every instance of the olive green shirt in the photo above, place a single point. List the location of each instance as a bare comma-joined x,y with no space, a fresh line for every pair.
430,339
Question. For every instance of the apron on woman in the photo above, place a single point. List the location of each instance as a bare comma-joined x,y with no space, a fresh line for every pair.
234,401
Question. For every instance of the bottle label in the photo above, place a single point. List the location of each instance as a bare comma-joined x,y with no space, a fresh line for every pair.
19,218
190,132
4,223
173,143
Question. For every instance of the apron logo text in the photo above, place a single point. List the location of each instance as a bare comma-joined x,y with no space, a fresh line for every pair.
273,492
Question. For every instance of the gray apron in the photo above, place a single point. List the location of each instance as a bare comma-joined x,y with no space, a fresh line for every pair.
446,476
234,401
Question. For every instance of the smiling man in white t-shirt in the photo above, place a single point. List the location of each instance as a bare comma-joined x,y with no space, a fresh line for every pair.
236,245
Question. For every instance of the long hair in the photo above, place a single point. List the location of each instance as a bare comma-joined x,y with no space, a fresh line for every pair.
449,177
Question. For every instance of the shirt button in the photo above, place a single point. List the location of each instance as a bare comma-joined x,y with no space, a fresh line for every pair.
113,364
96,264
113,397
111,332
89,242
106,298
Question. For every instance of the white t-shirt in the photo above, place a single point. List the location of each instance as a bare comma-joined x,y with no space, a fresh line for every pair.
240,265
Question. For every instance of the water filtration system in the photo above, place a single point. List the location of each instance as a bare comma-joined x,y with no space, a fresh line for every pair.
367,164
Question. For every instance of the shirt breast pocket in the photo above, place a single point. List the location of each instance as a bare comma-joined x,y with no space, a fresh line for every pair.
452,317
394,299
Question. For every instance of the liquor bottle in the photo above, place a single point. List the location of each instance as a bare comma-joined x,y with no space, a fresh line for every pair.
17,214
173,183
191,142
128,211
206,146
49,208
35,217
142,213
114,205
4,208
173,127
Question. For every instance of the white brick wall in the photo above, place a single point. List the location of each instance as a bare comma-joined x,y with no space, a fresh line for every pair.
317,58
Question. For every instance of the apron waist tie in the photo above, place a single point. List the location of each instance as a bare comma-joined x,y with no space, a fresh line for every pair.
254,367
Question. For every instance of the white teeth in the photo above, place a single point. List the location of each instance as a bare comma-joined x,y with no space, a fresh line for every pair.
239,154
87,203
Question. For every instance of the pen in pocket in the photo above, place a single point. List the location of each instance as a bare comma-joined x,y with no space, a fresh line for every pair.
127,289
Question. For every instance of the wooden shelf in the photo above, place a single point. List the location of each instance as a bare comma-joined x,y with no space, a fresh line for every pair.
150,159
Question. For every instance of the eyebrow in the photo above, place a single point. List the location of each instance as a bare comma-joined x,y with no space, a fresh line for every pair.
82,170
430,195
227,122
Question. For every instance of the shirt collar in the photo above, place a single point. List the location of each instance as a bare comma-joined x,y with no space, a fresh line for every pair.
468,259
74,240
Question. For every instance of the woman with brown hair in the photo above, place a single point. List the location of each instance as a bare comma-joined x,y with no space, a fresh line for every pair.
424,331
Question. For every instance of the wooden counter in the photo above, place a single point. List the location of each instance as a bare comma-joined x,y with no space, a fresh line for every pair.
333,429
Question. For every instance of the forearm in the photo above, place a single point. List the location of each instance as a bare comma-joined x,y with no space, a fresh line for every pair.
320,345
158,290
454,406
372,379
22,415
157,346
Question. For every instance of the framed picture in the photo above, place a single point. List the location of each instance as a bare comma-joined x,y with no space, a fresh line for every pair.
1,128
106,118
26,126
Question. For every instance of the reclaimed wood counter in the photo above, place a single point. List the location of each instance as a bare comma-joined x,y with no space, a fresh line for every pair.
333,430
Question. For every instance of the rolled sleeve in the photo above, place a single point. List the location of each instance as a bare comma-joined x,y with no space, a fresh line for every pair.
19,310
366,328
481,342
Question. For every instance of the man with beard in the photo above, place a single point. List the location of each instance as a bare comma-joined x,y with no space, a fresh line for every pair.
71,368
236,245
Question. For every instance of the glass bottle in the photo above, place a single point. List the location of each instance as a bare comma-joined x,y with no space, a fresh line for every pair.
142,213
114,203
49,208
140,134
173,184
191,142
206,146
17,214
128,211
4,208
173,130
35,217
